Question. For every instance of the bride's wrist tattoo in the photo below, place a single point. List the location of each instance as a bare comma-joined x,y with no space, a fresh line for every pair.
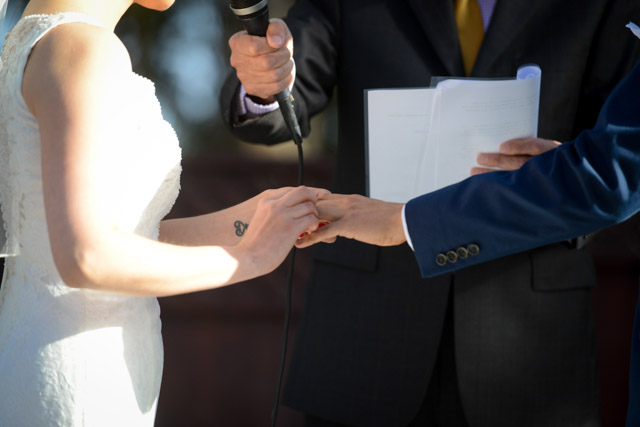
241,227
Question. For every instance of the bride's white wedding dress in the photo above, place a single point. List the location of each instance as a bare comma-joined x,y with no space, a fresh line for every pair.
77,357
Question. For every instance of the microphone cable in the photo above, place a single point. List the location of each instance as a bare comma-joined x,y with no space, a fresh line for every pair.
297,138
254,15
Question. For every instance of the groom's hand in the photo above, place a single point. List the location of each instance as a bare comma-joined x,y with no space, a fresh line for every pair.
357,217
513,154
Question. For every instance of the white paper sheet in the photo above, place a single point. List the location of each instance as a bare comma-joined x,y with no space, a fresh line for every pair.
420,140
397,132
634,29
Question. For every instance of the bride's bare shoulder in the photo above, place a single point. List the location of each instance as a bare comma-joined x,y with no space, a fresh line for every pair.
78,42
74,57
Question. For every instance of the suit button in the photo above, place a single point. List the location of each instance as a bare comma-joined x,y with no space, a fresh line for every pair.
441,259
462,252
473,249
452,256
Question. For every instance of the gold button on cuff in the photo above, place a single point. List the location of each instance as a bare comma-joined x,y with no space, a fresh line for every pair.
441,259
473,249
462,252
452,256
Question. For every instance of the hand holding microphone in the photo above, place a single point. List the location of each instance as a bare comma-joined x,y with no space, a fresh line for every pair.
268,69
264,65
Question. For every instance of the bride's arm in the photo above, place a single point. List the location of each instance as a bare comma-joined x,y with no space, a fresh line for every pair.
72,85
225,227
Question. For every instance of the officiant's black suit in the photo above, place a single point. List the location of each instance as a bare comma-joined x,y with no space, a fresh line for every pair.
523,334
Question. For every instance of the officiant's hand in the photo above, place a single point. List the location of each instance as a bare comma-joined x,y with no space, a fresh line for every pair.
264,65
513,154
357,217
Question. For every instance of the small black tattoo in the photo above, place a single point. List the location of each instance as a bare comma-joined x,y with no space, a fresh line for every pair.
241,227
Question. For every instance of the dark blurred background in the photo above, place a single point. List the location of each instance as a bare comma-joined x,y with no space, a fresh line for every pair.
222,347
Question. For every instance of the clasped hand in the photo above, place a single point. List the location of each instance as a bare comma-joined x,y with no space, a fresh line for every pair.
380,223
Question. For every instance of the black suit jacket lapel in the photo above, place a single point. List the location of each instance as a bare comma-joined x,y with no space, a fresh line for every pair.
507,20
438,23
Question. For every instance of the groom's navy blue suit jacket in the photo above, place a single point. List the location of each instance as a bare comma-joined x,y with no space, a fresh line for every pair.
582,186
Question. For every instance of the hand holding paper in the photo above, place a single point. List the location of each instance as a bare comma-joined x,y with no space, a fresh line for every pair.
513,154
420,140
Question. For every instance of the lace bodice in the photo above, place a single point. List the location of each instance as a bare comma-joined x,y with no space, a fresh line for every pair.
145,165
58,342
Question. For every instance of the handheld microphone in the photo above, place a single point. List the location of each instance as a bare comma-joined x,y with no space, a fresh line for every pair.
254,15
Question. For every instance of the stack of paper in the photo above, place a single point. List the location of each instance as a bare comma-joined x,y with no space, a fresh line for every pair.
420,140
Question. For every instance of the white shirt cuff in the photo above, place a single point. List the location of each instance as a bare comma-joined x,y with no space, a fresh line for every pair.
250,109
406,229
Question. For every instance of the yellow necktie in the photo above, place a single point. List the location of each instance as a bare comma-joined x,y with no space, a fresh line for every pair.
470,31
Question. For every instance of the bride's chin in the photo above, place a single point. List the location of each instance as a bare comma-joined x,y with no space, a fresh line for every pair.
159,5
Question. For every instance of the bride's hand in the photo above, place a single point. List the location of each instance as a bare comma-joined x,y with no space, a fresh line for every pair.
281,216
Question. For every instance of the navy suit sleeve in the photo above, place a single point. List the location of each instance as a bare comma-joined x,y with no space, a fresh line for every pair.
582,186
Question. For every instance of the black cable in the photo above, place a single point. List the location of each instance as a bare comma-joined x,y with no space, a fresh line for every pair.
285,336
297,139
254,15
